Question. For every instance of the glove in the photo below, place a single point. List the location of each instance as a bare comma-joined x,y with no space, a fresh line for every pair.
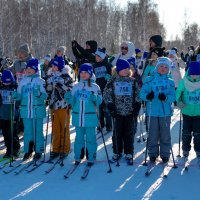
68,95
36,91
93,97
150,96
162,97
107,77
14,95
111,108
74,42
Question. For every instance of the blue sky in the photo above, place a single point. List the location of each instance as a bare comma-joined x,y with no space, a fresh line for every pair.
171,14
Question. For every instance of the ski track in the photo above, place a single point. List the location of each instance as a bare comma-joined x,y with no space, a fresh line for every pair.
125,182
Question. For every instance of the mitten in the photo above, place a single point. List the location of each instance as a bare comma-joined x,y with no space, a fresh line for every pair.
150,96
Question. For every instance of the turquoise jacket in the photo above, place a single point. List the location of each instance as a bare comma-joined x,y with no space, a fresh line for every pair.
84,109
159,84
188,93
32,106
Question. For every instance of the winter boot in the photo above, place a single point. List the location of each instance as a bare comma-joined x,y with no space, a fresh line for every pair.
54,155
129,159
165,159
37,156
152,158
7,155
27,156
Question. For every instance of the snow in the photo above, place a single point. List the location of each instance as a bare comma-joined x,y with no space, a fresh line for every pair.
125,182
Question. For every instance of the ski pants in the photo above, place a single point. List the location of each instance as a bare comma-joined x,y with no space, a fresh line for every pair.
60,131
159,136
123,134
6,131
191,127
105,116
33,131
85,137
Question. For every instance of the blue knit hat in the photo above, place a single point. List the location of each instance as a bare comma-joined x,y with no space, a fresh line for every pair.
137,51
7,77
86,67
122,64
101,53
59,62
33,64
194,68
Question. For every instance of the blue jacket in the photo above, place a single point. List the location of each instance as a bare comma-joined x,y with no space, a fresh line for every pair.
159,84
84,110
32,106
6,102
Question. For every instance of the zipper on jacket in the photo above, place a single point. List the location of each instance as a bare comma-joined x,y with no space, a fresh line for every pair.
82,107
30,113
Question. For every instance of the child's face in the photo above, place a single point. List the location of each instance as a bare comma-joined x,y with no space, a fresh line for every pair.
21,56
195,76
87,46
54,68
59,53
124,49
30,71
125,72
46,62
84,75
163,69
98,59
170,56
154,56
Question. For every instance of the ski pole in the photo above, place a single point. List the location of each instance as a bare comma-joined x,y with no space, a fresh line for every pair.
147,143
12,131
45,145
35,126
110,169
171,143
179,140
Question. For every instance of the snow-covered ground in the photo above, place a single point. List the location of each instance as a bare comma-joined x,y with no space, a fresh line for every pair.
124,183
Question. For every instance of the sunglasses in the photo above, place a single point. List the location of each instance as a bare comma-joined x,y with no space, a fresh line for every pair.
125,48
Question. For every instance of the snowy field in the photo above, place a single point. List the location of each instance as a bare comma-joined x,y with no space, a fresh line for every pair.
124,183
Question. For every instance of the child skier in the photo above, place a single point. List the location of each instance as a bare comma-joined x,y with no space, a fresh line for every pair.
32,94
102,70
119,96
158,91
58,82
7,111
85,99
188,98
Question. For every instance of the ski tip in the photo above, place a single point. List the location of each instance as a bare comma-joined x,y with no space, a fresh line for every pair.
186,168
147,174
66,177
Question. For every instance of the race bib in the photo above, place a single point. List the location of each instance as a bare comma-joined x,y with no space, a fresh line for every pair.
83,95
123,88
159,86
100,72
6,96
198,58
193,97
